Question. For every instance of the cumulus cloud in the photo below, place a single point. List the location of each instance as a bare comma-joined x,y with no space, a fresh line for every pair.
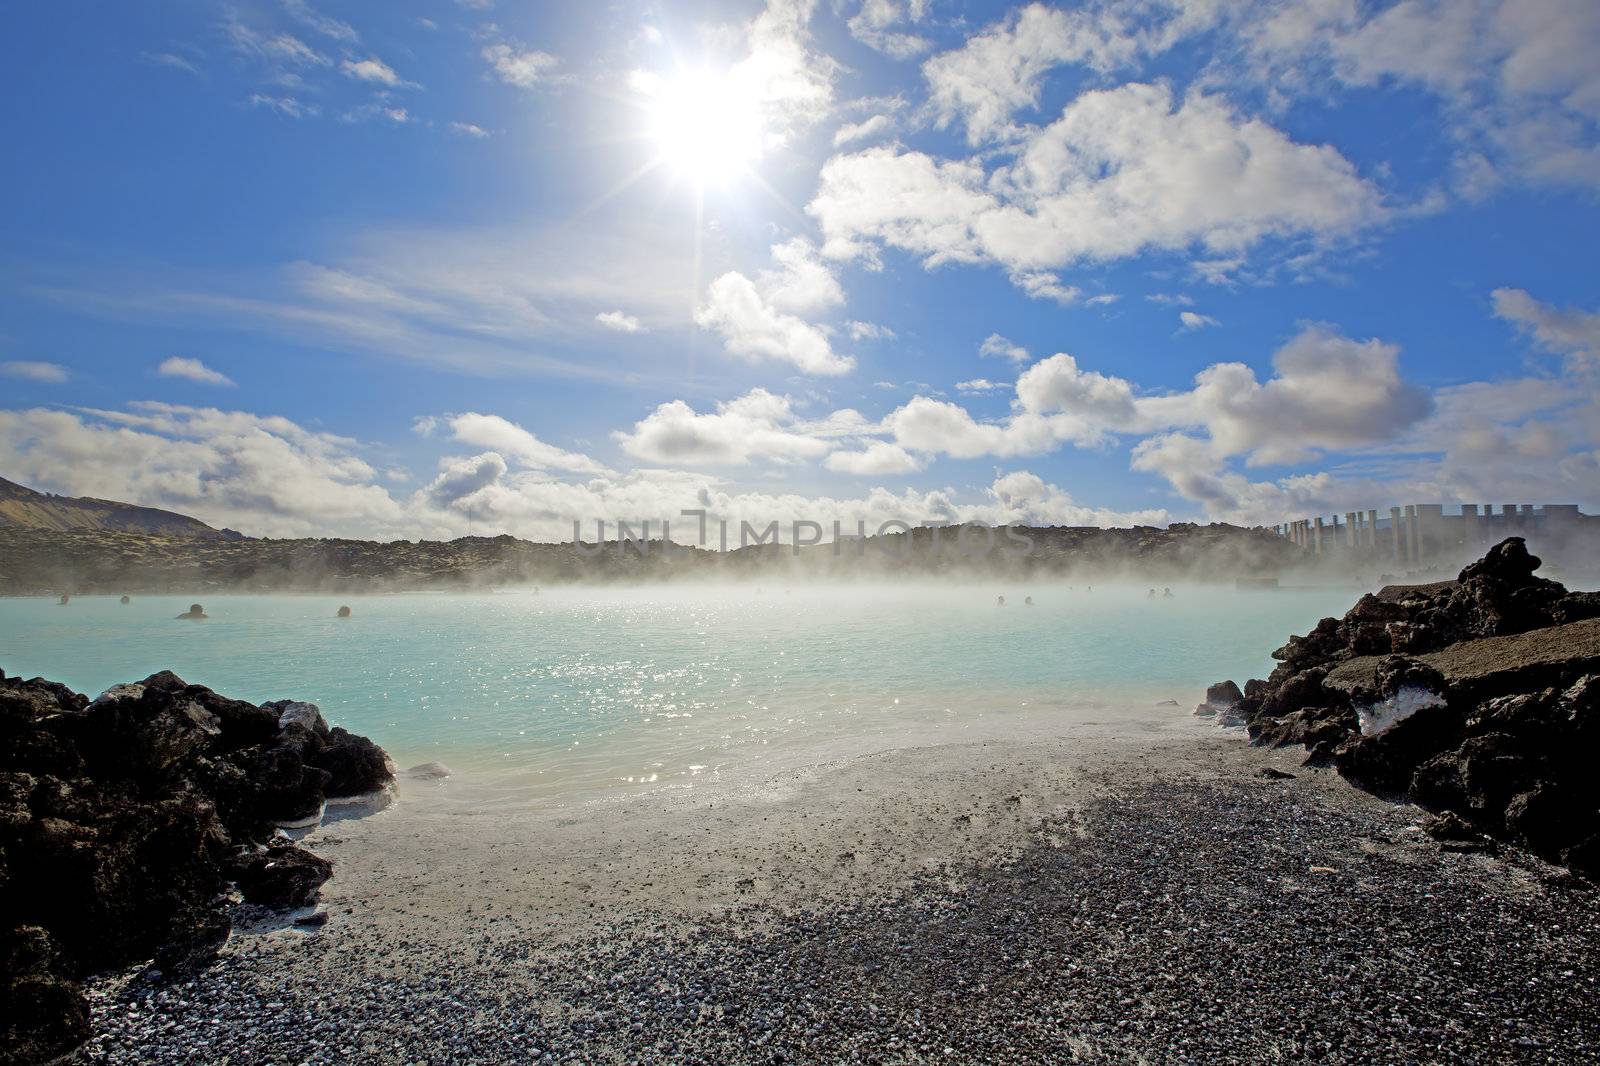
460,478
801,282
265,475
877,458
1025,498
757,425
995,346
755,319
620,321
1121,172
1193,320
509,439
191,370
1058,384
1327,392
34,370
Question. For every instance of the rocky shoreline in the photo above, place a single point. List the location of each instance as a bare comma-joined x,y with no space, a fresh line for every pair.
130,826
1478,699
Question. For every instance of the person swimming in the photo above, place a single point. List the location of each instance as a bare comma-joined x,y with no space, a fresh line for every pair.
1027,601
1166,594
64,600
1152,595
999,601
195,612
126,600
344,612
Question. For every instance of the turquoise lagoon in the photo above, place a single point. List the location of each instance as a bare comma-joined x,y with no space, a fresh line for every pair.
583,688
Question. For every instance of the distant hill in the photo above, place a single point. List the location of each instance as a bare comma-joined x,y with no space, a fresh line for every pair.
22,507
34,562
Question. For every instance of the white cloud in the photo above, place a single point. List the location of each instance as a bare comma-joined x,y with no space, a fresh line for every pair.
1025,498
372,69
981,385
1327,392
753,318
1516,77
999,71
876,459
460,478
752,328
469,129
32,370
526,69
279,50
1121,172
995,346
192,370
757,425
1193,320
171,59
802,283
864,130
1058,384
863,331
790,84
620,321
876,24
264,475
1565,331
284,105
509,439
304,14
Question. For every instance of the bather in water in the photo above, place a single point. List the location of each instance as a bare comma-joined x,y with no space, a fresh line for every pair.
195,612
1027,601
999,601
126,600
344,612
65,599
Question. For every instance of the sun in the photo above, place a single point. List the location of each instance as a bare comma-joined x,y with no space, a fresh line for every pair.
706,127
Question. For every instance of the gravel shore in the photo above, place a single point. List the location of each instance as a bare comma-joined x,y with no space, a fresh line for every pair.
1157,900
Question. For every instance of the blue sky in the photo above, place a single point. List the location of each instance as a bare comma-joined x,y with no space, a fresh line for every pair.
406,269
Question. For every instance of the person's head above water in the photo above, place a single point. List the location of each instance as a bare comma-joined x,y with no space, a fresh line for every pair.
126,600
344,612
194,611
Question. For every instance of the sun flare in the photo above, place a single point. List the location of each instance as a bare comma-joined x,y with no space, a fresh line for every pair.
705,126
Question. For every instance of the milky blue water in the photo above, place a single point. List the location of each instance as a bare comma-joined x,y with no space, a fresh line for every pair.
582,688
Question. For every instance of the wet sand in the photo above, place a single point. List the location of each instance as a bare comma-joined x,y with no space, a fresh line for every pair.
1142,895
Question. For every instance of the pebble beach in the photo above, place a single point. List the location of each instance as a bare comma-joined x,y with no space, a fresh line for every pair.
1154,897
